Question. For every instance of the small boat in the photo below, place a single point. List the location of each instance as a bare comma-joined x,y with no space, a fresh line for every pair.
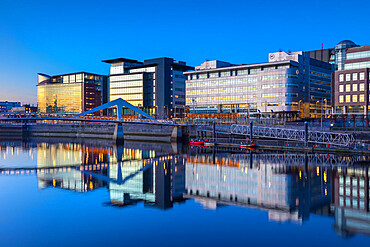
197,143
248,146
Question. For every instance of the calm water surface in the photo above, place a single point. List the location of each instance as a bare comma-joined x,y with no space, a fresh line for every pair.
141,194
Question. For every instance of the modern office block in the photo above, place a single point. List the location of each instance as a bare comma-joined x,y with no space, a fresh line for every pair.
71,93
7,105
335,55
289,84
157,86
351,84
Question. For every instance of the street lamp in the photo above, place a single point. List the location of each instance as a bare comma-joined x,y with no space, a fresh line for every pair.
316,108
299,108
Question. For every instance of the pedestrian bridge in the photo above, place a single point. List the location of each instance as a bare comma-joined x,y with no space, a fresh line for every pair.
281,133
319,137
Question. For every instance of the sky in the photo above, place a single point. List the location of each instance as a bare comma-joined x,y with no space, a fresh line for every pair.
56,37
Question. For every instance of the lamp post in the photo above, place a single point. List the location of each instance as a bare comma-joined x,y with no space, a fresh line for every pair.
322,103
299,108
316,108
326,107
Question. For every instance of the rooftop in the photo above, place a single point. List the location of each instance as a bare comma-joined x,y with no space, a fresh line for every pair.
119,60
241,66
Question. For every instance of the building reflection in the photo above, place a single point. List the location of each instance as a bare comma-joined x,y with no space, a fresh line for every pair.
160,181
131,174
66,165
289,187
288,193
350,200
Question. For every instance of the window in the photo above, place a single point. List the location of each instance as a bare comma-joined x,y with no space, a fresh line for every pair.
348,77
341,88
348,88
354,87
362,76
362,98
225,73
348,98
341,98
354,76
341,77
72,78
362,87
354,98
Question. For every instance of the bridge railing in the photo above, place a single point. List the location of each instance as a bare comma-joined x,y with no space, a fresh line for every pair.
319,137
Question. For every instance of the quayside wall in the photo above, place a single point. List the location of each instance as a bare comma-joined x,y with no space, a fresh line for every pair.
132,131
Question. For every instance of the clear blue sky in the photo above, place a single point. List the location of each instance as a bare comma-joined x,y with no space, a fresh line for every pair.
55,37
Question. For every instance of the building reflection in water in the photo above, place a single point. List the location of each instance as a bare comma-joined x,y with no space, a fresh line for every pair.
132,175
288,193
289,187
66,165
351,200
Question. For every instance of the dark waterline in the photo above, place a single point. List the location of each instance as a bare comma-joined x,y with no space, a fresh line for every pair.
97,194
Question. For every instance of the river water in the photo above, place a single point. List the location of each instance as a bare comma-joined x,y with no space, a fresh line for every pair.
92,193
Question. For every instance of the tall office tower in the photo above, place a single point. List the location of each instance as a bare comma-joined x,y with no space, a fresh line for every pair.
157,86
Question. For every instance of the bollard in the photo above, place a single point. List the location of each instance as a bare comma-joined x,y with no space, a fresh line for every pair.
214,131
251,132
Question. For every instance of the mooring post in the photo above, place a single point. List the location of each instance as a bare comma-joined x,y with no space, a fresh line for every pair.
214,131
306,134
118,134
251,132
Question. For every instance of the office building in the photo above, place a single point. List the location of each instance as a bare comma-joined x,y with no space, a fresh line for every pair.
288,85
335,55
27,108
157,86
350,88
71,93
7,105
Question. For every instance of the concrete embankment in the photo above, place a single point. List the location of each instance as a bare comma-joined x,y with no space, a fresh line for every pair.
134,131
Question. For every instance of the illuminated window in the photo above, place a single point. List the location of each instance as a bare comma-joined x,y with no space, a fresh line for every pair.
362,76
348,88
348,77
362,98
362,87
354,87
354,76
348,98
354,98
341,77
341,98
341,88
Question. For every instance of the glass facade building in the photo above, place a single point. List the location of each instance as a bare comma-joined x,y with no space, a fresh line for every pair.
70,93
290,83
157,86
